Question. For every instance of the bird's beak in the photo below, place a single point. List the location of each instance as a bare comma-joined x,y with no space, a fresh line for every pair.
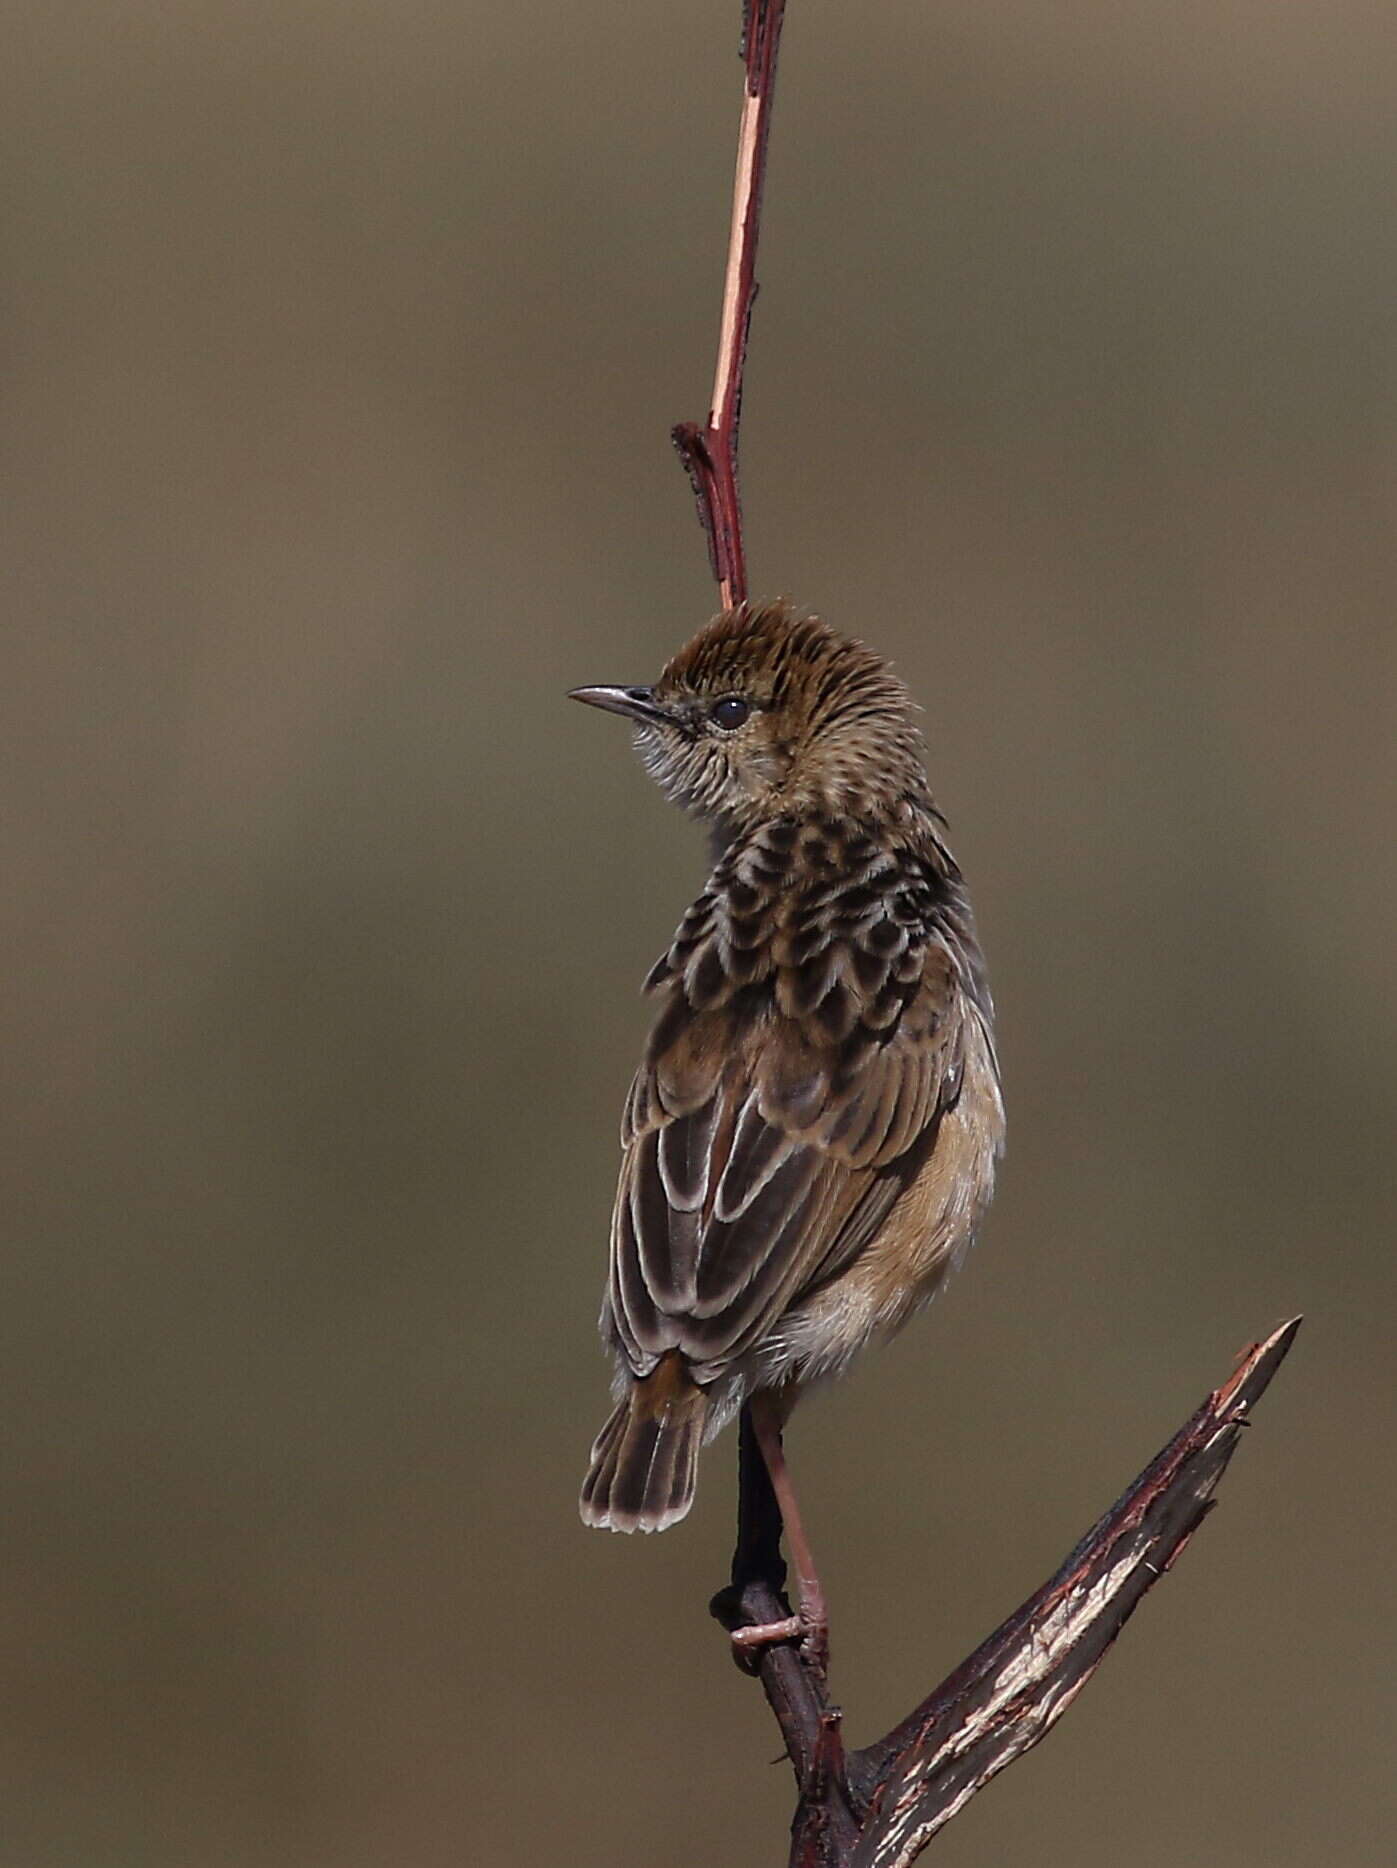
634,703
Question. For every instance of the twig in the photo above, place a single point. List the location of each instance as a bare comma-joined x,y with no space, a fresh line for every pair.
879,1807
709,453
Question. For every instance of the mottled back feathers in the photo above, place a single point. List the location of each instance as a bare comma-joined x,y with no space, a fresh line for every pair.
809,1042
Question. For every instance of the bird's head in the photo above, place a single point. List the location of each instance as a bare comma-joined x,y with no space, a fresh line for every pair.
766,712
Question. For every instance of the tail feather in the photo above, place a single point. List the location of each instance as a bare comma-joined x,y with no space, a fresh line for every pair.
645,1459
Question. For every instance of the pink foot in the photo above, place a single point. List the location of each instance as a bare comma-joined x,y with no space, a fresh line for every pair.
810,1627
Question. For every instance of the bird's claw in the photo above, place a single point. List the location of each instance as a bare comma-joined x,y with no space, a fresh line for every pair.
812,1632
814,1645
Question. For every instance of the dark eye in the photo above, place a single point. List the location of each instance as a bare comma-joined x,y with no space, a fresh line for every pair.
729,713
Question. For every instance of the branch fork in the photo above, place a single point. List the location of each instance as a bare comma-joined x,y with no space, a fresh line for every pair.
878,1807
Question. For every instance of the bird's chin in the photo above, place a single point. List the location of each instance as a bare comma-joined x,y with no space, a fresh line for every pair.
657,756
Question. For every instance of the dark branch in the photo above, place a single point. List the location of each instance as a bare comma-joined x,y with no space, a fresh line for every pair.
709,453
879,1807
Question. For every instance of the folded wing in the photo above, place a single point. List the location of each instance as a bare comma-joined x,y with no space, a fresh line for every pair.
810,1042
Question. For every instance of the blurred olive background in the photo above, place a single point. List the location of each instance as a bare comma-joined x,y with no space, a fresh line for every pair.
339,346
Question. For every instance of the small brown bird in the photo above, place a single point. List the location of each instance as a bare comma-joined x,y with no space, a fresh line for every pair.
810,1140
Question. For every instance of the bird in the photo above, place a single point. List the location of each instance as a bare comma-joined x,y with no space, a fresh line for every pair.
809,1143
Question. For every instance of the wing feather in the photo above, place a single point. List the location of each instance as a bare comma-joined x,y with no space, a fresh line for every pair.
808,1044
758,1150
735,1250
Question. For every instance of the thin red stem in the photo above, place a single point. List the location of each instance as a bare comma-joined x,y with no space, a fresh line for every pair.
709,453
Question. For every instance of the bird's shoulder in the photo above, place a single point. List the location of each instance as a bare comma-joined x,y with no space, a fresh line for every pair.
824,974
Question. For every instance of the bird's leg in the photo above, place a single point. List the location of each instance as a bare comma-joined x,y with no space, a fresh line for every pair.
757,1556
811,1623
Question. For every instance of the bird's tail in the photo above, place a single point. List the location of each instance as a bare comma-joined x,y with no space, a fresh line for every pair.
645,1459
